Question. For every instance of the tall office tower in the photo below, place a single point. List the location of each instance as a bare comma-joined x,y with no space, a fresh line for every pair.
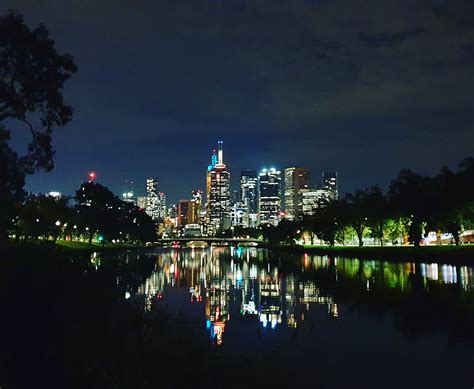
314,199
249,197
208,176
129,194
234,197
330,183
183,212
218,205
152,199
196,207
269,199
296,183
161,205
141,202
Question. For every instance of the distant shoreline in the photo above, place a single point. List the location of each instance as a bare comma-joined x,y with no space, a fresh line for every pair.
463,254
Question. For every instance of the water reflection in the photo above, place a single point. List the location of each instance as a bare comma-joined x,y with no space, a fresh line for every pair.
279,292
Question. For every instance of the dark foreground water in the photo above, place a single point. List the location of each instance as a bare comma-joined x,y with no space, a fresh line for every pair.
226,317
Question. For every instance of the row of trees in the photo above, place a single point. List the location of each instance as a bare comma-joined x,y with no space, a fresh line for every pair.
413,206
94,213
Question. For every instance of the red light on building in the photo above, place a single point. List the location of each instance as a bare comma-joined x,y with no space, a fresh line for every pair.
92,176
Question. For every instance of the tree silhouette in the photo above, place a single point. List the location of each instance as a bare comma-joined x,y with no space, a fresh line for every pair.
32,77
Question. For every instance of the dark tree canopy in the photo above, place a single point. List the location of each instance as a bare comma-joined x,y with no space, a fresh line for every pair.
32,77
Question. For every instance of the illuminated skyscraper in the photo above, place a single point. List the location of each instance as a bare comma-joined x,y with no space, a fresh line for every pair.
129,194
218,204
195,207
249,197
141,202
161,205
314,199
152,199
269,196
296,183
330,183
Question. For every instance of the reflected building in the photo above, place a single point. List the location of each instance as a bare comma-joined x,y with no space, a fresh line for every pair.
235,282
270,310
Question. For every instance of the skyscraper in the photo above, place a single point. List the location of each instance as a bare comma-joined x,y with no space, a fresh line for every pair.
129,194
152,198
249,197
269,196
161,205
184,211
296,183
314,199
330,183
141,202
195,207
218,182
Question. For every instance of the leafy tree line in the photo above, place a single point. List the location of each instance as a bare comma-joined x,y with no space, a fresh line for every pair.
414,205
95,214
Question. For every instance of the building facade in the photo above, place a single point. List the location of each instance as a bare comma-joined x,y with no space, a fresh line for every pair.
152,199
269,196
314,199
297,181
218,204
330,183
249,197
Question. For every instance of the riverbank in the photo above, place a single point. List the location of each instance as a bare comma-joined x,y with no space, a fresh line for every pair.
50,249
96,247
445,254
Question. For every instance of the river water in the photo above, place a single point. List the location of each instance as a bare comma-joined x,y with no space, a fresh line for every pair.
236,317
374,323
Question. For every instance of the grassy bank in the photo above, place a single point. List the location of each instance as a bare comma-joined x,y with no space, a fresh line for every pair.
56,250
446,254
86,247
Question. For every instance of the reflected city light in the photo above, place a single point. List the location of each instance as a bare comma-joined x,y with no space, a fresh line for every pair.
259,290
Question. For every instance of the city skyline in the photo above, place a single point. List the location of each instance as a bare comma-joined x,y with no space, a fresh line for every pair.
139,187
303,90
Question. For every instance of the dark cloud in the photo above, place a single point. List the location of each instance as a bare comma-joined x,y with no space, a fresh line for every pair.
316,82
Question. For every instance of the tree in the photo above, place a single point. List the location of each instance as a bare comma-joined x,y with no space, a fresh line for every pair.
358,204
378,212
32,78
95,206
325,223
411,195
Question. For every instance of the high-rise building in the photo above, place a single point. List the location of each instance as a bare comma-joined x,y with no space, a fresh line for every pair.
196,207
161,205
269,196
218,204
152,199
141,202
314,199
129,194
296,183
184,212
129,197
330,183
249,197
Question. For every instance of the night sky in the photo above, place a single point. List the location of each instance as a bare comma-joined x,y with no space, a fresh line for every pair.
362,87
